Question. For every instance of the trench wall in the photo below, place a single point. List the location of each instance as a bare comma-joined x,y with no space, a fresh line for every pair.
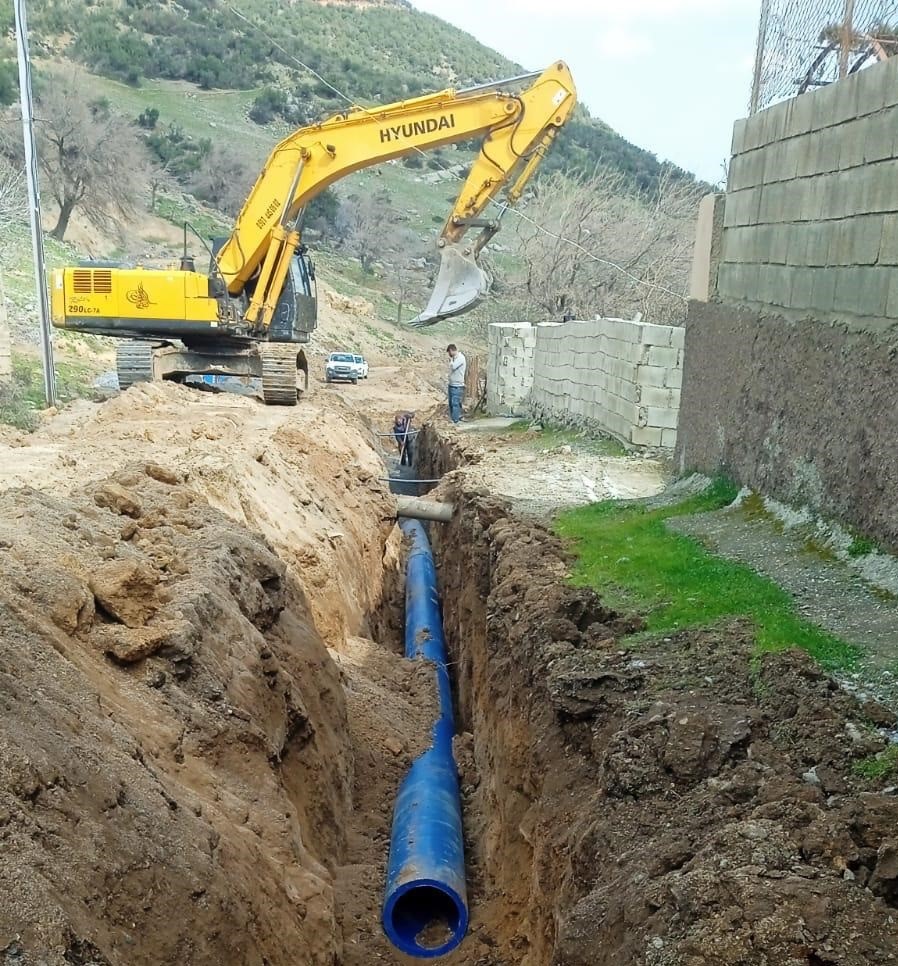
615,376
790,371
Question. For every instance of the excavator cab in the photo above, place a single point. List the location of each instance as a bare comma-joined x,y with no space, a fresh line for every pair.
296,315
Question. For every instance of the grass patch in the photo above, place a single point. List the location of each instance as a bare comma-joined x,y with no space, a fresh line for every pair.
629,555
882,765
22,398
861,546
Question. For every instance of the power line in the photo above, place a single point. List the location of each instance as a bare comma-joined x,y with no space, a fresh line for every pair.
652,286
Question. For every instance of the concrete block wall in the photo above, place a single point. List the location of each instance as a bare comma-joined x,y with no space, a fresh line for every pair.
611,375
510,369
810,225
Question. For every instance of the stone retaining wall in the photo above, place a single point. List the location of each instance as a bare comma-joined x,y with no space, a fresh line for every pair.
611,375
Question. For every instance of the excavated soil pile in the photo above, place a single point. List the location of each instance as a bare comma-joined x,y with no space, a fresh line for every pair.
174,768
200,743
671,803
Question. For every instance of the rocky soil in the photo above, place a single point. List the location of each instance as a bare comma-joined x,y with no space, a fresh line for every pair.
204,718
675,802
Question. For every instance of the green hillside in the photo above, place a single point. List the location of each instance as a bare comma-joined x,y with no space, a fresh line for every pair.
374,52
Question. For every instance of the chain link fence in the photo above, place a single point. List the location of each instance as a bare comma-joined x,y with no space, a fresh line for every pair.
805,44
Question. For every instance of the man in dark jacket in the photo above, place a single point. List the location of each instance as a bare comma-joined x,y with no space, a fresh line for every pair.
403,434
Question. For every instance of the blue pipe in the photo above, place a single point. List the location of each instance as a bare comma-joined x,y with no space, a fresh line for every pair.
425,912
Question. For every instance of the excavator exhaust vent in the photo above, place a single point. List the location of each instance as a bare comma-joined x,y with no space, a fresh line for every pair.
92,280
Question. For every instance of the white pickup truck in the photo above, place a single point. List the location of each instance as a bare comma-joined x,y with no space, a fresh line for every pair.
341,367
363,366
345,367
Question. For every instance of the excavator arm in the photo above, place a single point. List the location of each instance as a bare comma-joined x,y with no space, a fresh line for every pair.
518,128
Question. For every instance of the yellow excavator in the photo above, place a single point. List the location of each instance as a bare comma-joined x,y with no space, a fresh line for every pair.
257,305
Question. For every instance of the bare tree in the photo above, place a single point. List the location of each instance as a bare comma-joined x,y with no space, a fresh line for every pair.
13,199
90,159
224,179
361,224
593,248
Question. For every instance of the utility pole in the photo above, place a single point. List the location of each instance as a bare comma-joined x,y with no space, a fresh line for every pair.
34,201
847,38
759,58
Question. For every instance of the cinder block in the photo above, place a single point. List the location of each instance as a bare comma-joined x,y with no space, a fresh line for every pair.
827,152
660,356
888,248
673,378
796,244
853,135
753,133
802,117
662,418
655,334
653,396
802,288
823,289
738,142
645,436
621,330
846,102
878,87
817,242
805,148
651,375
863,291
742,207
677,336
814,198
892,300
881,143
669,438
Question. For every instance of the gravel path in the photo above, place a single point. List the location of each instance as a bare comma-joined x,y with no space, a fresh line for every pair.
826,590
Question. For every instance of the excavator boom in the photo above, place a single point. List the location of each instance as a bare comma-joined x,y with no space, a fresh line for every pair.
517,128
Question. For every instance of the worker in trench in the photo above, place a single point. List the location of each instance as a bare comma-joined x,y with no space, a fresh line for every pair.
404,436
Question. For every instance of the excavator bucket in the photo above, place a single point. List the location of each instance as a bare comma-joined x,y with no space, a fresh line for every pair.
461,284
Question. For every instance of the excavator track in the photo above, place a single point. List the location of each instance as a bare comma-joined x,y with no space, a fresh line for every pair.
133,362
278,373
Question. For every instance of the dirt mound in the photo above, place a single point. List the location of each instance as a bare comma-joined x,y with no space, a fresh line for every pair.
173,764
673,803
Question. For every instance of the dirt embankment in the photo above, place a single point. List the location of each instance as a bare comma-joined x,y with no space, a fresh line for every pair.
174,768
672,803
181,759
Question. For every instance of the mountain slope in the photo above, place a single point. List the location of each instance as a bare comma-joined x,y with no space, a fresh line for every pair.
373,52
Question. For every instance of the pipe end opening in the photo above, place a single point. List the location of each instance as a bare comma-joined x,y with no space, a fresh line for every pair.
425,919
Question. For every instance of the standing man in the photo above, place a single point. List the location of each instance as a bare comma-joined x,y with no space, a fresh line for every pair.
457,367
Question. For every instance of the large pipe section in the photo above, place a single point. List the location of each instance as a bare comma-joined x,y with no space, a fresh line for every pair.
414,508
425,912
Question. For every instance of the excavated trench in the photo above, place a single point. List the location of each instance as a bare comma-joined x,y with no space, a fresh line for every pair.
670,803
205,715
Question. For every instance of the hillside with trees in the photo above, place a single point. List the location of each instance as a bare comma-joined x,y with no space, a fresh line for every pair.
374,52
156,113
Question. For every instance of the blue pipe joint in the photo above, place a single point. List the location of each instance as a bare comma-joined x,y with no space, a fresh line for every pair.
425,912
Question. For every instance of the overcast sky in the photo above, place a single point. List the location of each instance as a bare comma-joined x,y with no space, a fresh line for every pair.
669,75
